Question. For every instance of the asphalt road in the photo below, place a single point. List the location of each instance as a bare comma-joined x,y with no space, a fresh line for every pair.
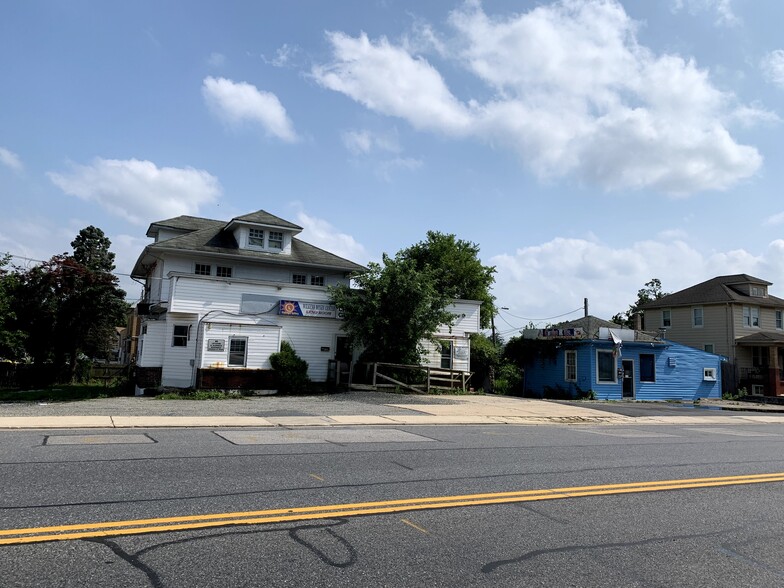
700,536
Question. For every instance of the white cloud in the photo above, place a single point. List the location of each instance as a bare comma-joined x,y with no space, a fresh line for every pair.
573,92
322,234
722,8
772,66
10,159
240,102
386,168
285,56
139,191
362,142
389,80
545,280
775,219
216,60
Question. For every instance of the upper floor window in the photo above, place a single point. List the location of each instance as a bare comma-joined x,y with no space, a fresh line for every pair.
275,240
316,280
256,237
708,347
697,319
751,316
757,291
778,319
570,372
223,272
666,317
299,279
202,269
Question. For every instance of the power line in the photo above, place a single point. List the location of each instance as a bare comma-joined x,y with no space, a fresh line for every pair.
535,320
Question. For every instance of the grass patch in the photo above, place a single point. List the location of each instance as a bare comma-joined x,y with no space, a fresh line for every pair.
62,393
202,395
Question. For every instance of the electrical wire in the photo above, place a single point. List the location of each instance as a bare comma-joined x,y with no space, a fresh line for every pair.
536,320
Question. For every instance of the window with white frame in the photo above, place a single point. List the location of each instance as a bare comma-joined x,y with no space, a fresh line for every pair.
256,237
605,366
778,319
647,367
751,316
275,240
697,318
180,336
757,389
299,279
316,280
202,269
223,271
666,317
238,351
757,291
709,374
570,373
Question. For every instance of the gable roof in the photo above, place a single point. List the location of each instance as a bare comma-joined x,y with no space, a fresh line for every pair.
718,290
213,237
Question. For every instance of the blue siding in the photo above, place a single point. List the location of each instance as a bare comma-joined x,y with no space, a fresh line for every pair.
679,372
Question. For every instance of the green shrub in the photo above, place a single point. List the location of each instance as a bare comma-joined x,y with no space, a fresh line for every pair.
508,380
291,371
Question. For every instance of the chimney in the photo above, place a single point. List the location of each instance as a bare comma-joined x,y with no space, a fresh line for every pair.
638,321
585,306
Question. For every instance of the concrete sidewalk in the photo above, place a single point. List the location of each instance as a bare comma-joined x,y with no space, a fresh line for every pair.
337,410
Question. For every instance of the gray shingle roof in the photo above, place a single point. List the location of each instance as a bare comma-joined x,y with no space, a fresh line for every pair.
718,290
211,236
761,339
589,324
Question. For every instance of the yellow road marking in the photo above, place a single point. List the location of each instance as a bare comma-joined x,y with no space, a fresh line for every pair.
319,478
417,527
186,523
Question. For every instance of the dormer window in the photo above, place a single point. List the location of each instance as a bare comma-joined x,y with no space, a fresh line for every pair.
275,240
758,291
256,237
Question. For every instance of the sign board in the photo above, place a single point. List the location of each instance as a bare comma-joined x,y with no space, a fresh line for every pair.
461,352
216,345
312,309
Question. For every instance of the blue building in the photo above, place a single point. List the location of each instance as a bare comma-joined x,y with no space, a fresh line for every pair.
589,355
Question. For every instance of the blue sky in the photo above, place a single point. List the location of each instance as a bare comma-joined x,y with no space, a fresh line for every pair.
586,145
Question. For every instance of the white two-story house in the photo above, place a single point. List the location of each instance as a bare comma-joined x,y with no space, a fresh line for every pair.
220,297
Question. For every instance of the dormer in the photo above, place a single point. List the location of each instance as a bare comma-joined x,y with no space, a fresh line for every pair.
261,231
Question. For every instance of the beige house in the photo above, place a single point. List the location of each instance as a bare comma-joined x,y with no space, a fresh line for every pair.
734,316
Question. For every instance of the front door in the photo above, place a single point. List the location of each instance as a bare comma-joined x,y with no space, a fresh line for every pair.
628,378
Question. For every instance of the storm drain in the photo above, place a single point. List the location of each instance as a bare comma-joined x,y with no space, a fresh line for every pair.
96,439
339,436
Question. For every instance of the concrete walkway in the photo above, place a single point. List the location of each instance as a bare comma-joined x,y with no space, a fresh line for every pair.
338,410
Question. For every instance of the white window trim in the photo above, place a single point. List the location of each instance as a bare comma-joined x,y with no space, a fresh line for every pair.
749,314
175,336
270,241
702,317
305,283
261,238
779,318
567,353
668,323
709,374
224,267
614,371
245,356
196,265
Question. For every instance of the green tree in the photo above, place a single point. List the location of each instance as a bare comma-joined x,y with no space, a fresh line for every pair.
394,306
70,305
457,269
651,291
11,337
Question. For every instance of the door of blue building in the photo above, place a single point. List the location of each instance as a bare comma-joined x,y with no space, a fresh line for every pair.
628,378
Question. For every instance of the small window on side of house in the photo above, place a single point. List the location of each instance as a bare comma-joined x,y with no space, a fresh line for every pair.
666,317
238,351
570,371
316,280
709,374
256,237
299,279
778,319
180,336
647,367
697,318
708,347
223,272
446,354
202,269
275,240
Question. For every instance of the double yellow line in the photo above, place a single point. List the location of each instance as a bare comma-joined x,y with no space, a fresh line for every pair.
283,515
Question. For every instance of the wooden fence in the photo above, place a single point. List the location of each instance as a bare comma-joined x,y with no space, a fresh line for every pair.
417,378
